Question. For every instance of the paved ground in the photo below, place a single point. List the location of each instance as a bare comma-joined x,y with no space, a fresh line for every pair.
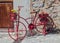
50,38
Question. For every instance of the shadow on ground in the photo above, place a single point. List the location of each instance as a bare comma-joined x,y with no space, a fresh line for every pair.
53,31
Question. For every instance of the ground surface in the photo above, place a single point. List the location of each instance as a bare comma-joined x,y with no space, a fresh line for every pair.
43,39
50,38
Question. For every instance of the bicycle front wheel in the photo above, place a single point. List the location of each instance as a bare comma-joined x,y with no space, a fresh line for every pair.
18,32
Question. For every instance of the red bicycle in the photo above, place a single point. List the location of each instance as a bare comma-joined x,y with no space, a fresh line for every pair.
40,22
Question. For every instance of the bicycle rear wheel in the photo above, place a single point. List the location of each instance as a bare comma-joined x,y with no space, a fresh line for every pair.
41,28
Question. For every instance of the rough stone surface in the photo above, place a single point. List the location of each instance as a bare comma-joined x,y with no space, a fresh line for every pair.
52,7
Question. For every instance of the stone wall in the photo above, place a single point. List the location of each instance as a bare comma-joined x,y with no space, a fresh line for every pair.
52,7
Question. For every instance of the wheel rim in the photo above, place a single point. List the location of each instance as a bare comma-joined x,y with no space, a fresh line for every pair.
18,34
39,27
